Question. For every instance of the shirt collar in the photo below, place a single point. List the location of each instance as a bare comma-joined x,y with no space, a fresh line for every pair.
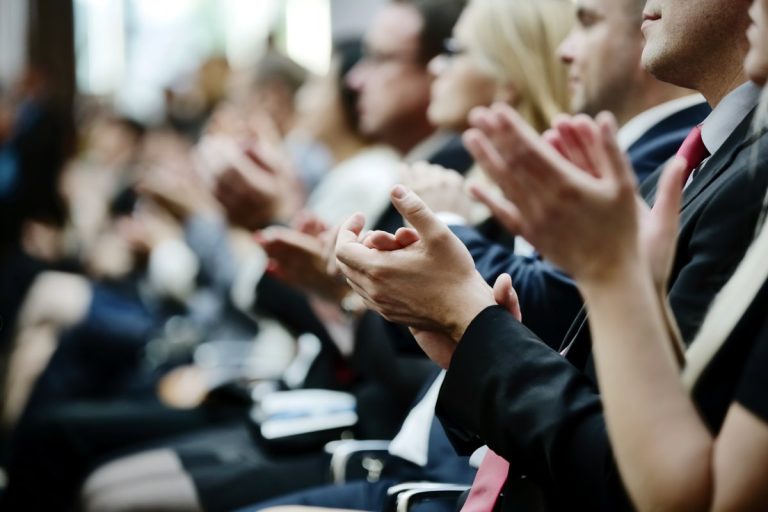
724,119
639,125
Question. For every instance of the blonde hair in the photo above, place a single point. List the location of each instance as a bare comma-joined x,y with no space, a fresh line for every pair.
516,42
740,290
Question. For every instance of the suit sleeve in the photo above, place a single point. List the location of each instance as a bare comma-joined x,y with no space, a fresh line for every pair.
532,407
549,299
710,251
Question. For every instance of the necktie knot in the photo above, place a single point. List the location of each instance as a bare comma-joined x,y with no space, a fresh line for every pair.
693,150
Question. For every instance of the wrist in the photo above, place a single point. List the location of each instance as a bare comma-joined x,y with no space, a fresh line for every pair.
627,279
608,274
468,307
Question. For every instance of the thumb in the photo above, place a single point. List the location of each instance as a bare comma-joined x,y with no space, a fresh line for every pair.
506,296
670,190
350,230
416,212
349,250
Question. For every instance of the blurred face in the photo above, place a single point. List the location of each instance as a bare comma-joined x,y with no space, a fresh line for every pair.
460,84
392,83
686,40
319,105
603,55
756,63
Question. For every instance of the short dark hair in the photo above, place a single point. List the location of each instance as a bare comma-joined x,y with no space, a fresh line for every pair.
438,18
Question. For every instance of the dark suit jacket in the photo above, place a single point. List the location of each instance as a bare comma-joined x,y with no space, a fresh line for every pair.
543,412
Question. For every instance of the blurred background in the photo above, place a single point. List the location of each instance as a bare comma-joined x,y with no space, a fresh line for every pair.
132,53
101,105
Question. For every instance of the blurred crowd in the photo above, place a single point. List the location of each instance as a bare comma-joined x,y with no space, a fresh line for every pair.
511,248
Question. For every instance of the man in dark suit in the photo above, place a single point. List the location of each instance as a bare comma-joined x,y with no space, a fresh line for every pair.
602,53
504,387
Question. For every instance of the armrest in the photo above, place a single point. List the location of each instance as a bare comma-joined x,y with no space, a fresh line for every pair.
401,497
342,452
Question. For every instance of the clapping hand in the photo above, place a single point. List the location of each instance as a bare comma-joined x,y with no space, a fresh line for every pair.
301,260
443,190
572,193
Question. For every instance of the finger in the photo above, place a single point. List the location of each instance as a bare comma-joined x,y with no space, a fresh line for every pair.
503,210
349,250
484,153
575,151
350,230
552,137
256,155
534,163
505,295
406,237
588,133
670,191
417,213
381,241
510,121
558,124
618,166
330,256
479,118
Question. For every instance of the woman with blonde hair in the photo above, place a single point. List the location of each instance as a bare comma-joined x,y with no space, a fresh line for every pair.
516,42
501,51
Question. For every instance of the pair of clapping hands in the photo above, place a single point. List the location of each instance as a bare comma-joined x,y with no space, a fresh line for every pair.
244,164
303,255
571,193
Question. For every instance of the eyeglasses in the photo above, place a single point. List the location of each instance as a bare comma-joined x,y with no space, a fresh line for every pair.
378,59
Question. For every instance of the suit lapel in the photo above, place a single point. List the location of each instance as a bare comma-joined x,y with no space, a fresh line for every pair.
721,160
718,163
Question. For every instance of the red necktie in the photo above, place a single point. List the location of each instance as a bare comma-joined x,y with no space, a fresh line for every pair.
694,151
490,479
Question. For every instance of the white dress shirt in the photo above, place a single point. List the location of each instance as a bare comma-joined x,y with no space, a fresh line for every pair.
359,184
412,442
